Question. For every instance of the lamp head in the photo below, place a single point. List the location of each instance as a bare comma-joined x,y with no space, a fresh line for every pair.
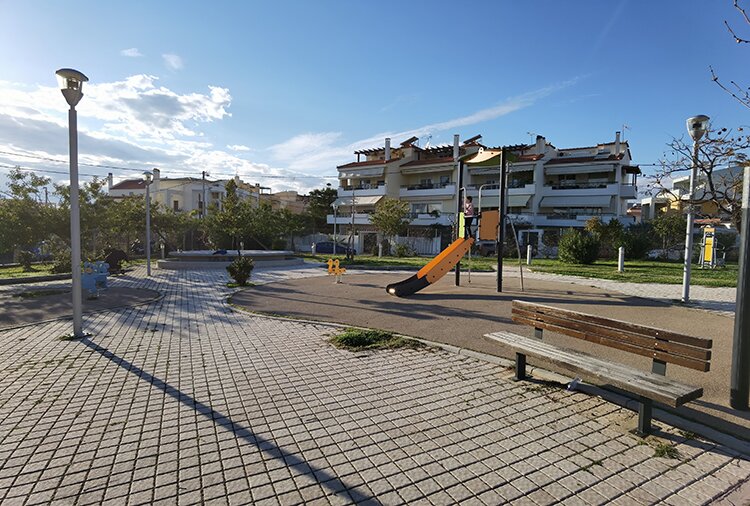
71,84
697,126
147,176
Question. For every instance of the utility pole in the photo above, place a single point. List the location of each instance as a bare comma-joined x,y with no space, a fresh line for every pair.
203,205
459,199
740,375
501,220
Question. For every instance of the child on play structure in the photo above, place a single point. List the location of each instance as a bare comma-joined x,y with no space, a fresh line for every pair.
468,216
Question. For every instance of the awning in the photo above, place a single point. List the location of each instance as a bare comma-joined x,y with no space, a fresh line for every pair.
428,169
518,200
362,173
345,202
478,170
579,169
488,158
593,201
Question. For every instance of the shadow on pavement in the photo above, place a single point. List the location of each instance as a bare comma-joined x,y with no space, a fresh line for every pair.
323,477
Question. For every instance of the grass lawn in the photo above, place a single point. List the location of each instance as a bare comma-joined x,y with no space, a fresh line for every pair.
477,263
642,271
636,271
17,272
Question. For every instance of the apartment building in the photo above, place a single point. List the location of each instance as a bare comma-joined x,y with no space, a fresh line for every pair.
548,187
181,194
726,182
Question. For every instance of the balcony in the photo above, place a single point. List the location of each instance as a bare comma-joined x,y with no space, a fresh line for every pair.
428,190
628,191
361,218
580,189
427,219
362,191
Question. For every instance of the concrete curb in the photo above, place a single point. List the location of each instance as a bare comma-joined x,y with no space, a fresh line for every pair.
34,279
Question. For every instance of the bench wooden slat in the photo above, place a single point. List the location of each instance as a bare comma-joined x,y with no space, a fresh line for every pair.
646,342
619,345
647,384
617,324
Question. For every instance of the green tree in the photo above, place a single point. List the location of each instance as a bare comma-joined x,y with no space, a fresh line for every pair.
578,247
24,220
319,206
390,217
670,228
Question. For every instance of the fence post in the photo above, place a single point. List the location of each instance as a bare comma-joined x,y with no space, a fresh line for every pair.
621,259
529,254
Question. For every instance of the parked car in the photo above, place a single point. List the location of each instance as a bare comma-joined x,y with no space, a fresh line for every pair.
326,248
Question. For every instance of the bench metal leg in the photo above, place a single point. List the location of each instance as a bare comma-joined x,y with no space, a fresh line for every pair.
520,366
644,417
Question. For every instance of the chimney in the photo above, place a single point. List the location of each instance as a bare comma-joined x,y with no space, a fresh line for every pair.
387,149
157,174
110,181
617,143
541,142
456,152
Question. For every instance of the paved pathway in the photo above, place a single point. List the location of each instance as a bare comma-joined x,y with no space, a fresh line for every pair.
185,401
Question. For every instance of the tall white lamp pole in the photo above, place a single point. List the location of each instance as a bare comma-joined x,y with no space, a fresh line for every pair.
696,126
147,177
335,237
71,84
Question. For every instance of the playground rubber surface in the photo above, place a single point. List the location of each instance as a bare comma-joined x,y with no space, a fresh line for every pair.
49,303
461,315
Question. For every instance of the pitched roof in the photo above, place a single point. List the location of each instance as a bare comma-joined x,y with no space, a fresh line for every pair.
430,161
365,163
584,159
130,184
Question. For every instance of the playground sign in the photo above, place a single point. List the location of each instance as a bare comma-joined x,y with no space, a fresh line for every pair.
335,270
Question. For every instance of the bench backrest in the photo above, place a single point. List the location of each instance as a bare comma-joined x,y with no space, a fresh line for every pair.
663,346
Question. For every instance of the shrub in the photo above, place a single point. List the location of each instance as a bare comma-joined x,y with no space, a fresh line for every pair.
578,247
62,263
25,258
638,240
240,269
403,250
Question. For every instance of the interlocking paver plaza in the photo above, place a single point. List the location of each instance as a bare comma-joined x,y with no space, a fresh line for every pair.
188,401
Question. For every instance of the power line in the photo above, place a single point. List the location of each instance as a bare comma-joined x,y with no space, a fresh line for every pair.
115,167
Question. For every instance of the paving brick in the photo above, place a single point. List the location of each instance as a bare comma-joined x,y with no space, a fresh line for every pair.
184,401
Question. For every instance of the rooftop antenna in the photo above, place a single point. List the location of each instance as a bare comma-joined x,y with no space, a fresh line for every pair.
427,142
531,137
624,127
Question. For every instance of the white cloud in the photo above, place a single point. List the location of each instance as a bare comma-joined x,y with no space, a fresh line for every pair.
132,52
320,151
237,147
172,61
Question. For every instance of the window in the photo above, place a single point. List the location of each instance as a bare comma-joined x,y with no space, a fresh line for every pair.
176,205
444,180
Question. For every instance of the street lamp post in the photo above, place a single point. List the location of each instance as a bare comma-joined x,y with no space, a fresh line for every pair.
335,236
71,85
696,126
147,177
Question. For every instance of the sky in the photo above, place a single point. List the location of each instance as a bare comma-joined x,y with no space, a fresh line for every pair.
282,92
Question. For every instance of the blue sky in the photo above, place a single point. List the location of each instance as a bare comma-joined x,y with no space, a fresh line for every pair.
282,92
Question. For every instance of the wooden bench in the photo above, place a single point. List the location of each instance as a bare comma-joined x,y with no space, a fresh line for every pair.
662,346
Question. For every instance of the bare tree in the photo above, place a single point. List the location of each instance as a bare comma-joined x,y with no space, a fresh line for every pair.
721,154
738,92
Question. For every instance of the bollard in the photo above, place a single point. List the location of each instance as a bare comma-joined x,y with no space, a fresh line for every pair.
312,248
621,259
529,254
380,249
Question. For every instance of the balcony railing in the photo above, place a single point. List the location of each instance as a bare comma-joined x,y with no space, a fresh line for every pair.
426,186
362,187
579,186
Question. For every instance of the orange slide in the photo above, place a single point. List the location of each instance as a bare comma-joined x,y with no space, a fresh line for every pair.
434,270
